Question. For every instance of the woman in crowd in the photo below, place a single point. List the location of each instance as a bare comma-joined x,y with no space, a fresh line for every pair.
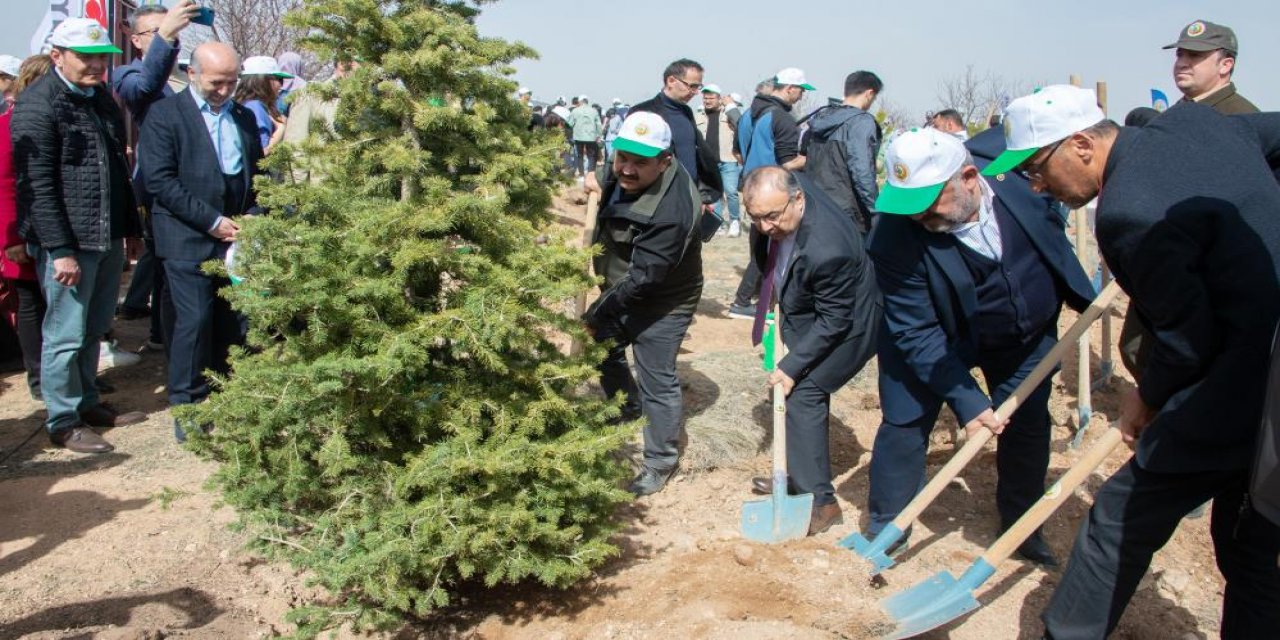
260,82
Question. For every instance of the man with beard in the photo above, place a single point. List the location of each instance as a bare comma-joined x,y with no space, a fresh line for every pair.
1187,222
651,263
974,273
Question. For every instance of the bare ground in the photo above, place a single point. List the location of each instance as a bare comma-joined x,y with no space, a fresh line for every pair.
132,545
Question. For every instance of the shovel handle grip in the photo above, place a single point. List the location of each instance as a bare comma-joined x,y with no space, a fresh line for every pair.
1053,498
779,401
974,444
588,235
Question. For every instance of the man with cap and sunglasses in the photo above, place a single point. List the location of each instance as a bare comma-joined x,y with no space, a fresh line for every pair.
1187,222
974,272
651,263
75,207
718,129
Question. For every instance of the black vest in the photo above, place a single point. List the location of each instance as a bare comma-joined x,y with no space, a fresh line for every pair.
1017,296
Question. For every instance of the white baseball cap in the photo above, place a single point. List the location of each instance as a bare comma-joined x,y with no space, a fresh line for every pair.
584,98
919,163
711,88
617,101
792,75
561,112
1041,119
262,66
524,91
643,134
10,65
82,35
737,97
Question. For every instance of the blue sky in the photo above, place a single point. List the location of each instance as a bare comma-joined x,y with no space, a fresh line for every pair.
614,49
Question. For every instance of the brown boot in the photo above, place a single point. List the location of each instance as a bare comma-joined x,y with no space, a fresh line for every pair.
104,415
824,516
80,439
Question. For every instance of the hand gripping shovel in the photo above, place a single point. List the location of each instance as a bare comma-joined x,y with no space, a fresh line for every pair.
943,598
780,516
874,550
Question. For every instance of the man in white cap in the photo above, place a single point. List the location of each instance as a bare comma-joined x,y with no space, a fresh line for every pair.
651,263
75,206
1187,222
201,154
768,135
974,273
716,127
584,122
9,66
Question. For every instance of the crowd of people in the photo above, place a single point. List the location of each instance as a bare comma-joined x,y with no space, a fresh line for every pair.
955,260
958,261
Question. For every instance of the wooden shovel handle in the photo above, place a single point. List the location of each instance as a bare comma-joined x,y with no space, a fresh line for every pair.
1038,374
779,399
588,235
1055,497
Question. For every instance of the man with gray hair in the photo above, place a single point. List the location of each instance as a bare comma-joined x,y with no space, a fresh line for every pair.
974,273
811,254
202,151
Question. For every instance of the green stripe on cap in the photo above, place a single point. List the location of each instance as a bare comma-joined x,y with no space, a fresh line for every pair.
1008,160
96,48
808,87
903,201
631,146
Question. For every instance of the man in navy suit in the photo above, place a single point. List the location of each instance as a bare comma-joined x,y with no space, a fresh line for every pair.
140,84
974,273
200,155
811,253
1188,224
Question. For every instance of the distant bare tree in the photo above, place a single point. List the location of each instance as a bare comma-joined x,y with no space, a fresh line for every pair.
255,27
893,116
978,96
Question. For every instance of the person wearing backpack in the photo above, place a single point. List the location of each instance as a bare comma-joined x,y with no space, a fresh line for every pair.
841,149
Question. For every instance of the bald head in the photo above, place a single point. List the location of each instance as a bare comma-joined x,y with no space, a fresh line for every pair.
214,72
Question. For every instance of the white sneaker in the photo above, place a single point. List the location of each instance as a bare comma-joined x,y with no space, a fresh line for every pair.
112,356
735,228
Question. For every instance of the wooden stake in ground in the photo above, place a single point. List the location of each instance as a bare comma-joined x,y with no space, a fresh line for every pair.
1107,365
588,235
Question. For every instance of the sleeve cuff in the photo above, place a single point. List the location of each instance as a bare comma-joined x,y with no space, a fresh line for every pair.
61,252
217,221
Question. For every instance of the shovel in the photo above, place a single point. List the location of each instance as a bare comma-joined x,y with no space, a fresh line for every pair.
780,516
874,550
588,237
943,598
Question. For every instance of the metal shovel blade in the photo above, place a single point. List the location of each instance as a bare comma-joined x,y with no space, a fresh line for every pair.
778,517
935,601
874,550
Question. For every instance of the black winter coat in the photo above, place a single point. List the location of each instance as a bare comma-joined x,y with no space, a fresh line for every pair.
62,161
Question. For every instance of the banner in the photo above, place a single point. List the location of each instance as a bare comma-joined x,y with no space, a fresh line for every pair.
60,10
1159,101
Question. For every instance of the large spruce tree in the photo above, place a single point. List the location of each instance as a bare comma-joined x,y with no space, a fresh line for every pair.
402,421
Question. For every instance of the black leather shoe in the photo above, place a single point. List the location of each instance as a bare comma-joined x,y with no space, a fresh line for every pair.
899,545
650,481
1036,550
762,485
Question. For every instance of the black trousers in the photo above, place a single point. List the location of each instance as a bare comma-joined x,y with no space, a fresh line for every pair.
749,286
204,329
808,454
1133,516
31,309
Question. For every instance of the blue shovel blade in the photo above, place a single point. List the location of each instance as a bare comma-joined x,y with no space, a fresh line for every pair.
778,517
935,601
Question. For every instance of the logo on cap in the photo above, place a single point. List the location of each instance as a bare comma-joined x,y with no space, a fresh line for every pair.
1195,29
900,171
95,34
642,129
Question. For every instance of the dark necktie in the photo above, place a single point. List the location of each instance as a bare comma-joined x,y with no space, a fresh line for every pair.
766,294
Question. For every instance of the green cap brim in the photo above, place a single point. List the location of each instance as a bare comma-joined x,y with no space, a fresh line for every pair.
907,202
631,146
97,48
808,87
1008,160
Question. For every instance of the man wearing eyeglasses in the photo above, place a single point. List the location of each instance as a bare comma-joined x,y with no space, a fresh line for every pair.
1187,222
139,84
974,272
811,254
681,81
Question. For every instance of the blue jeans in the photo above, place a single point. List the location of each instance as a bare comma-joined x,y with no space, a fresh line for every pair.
729,172
74,323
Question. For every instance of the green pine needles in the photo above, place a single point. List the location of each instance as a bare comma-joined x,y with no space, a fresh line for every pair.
402,421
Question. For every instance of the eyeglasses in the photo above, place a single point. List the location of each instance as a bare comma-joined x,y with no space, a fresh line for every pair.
148,32
1034,172
773,216
696,86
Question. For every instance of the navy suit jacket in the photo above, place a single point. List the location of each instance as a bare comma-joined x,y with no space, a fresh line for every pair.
140,84
1189,221
930,298
181,171
830,307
